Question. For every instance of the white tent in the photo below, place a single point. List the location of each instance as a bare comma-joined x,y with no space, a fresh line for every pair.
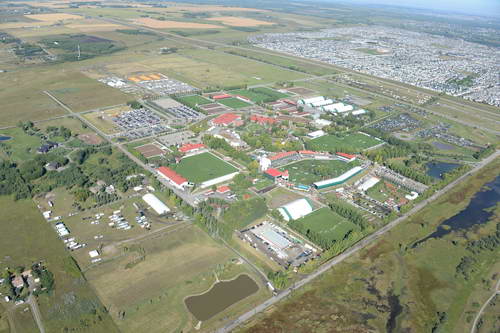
295,209
155,203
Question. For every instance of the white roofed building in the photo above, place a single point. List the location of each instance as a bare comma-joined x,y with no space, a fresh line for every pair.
316,134
296,209
158,206
310,100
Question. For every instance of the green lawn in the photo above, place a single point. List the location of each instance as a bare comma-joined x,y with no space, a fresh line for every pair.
258,95
21,147
325,222
203,167
309,171
194,100
352,142
234,103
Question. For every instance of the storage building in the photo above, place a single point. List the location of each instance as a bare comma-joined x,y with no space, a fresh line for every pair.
296,209
158,206
338,180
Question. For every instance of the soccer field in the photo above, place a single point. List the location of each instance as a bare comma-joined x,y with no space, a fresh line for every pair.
307,172
259,94
327,224
352,142
234,103
202,167
194,100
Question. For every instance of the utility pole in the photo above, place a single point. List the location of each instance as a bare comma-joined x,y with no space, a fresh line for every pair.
79,54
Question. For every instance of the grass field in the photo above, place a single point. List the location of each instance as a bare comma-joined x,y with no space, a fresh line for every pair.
327,223
25,237
423,280
259,95
234,103
194,100
280,196
151,292
102,119
203,167
309,171
352,142
21,147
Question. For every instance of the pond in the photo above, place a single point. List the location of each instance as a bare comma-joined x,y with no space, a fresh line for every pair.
222,295
5,138
437,169
475,213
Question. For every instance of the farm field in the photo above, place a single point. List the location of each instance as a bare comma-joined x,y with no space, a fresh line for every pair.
194,100
259,95
234,103
307,172
423,280
202,167
239,21
150,292
36,240
165,24
326,223
355,142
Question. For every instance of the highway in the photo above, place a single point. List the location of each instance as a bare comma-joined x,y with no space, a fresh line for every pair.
369,240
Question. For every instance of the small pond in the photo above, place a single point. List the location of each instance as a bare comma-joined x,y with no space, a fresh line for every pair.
477,212
222,295
4,138
437,169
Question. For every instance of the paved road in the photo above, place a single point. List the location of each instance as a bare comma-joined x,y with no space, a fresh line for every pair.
480,313
35,311
371,239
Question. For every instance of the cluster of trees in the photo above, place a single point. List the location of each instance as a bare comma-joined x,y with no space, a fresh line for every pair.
279,279
134,104
411,173
220,144
350,213
318,238
485,152
46,284
61,131
11,181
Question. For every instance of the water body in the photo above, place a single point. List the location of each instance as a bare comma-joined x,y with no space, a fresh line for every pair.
396,310
221,296
438,169
475,213
5,138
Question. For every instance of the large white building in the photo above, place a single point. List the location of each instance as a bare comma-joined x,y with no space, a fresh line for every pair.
158,206
311,100
296,209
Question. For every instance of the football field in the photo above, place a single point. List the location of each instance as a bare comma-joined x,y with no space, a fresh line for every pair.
309,171
202,167
354,142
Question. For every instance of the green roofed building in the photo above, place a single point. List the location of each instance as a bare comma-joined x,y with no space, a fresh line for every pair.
296,209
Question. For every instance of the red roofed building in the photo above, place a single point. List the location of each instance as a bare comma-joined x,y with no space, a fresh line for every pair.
190,147
262,120
223,189
223,96
173,177
226,119
346,157
282,155
287,101
275,174
307,152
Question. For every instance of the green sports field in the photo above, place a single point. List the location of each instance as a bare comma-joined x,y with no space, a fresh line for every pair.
194,100
324,222
258,95
352,142
234,103
202,167
309,171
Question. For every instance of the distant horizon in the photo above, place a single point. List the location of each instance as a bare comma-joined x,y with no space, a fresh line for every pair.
489,8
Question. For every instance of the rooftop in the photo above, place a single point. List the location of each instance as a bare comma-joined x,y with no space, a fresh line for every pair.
172,175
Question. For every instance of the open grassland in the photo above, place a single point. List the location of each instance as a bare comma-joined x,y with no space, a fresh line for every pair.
25,238
326,223
206,8
203,167
21,146
239,21
309,171
234,103
351,142
259,95
280,196
390,287
23,320
151,291
158,24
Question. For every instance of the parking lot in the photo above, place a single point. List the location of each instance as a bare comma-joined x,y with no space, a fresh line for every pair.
140,123
166,86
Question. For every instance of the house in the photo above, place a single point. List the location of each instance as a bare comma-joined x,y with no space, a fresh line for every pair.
275,174
345,157
172,177
223,189
51,166
261,120
48,146
227,119
18,282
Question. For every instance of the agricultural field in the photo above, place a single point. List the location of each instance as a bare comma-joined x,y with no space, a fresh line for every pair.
148,294
36,240
234,103
202,167
239,21
355,142
307,172
325,223
392,287
165,24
